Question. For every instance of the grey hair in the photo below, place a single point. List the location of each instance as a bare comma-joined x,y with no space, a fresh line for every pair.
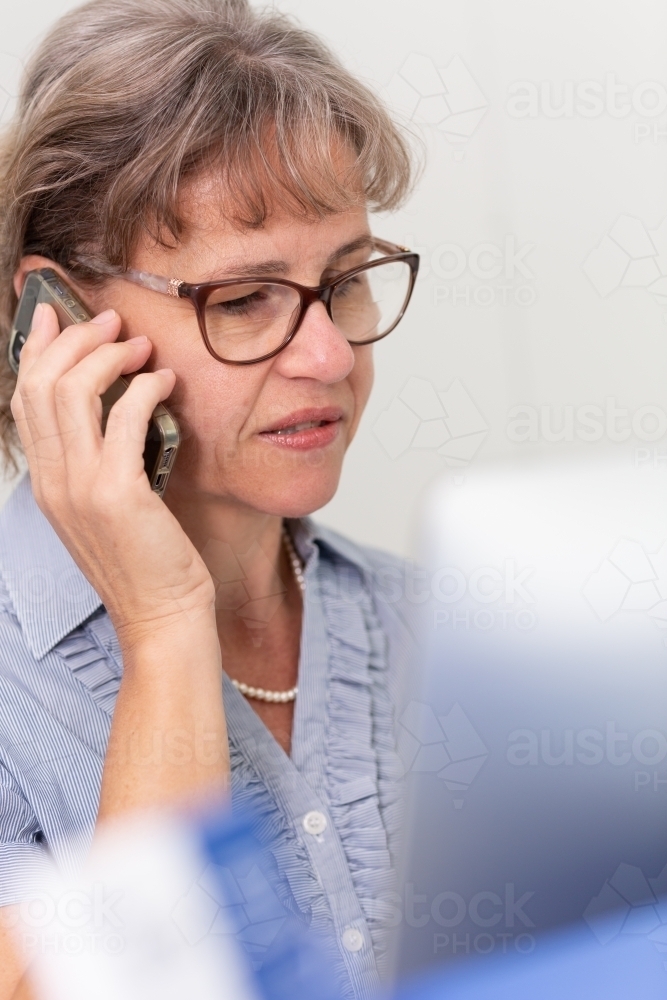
125,100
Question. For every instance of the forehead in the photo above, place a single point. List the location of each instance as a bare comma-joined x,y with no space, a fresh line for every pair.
252,187
214,244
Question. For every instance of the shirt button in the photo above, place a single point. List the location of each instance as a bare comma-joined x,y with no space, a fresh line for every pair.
314,823
353,940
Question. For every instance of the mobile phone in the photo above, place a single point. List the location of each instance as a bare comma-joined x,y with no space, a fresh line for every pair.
44,285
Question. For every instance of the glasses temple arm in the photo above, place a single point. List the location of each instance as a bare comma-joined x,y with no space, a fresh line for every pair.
390,248
155,282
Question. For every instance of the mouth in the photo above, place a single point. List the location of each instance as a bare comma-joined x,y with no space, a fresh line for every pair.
305,429
295,428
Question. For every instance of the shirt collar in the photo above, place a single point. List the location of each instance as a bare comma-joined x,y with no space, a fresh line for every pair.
307,534
50,594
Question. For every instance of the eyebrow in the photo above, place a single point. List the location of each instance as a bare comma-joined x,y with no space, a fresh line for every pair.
242,268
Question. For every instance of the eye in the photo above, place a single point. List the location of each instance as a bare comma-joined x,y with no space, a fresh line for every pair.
348,287
348,263
242,305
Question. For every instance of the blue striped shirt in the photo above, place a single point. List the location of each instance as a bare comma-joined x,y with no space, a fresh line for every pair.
60,671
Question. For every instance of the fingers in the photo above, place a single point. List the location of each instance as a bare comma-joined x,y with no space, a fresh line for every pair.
77,395
57,402
124,439
64,349
46,356
44,331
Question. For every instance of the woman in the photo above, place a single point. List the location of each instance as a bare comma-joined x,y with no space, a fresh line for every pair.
156,652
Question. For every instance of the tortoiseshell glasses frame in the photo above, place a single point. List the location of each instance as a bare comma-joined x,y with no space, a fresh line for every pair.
200,294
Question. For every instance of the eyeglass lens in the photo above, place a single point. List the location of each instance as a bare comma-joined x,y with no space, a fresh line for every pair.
251,319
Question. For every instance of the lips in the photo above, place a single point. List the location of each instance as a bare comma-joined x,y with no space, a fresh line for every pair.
295,428
304,429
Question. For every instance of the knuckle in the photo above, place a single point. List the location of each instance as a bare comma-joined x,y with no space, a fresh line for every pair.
68,386
108,351
34,386
120,410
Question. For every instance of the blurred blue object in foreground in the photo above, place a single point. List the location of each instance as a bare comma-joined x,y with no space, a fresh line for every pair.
190,907
169,906
288,961
567,965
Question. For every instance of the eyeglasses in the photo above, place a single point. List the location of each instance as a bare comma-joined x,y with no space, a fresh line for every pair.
247,320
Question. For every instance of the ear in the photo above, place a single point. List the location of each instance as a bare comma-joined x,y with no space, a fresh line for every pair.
32,263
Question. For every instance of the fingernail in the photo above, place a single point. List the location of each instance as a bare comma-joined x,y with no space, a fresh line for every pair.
137,340
104,317
37,316
164,371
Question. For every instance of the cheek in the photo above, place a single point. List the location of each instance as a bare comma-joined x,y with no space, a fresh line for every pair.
212,402
212,405
361,382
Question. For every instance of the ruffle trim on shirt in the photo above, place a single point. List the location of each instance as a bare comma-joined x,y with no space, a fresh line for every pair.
363,769
89,652
294,879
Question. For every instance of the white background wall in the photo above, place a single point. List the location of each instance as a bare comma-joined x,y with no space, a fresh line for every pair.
539,220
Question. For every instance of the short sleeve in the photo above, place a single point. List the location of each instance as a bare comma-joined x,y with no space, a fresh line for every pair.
24,860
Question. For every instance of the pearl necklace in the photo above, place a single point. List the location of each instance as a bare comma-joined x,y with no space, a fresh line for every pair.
261,694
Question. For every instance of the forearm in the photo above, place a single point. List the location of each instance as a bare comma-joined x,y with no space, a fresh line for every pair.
168,740
167,746
13,982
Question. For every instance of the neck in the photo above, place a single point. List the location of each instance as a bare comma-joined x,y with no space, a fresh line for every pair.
259,604
236,542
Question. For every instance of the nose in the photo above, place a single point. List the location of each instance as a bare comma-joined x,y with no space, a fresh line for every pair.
318,351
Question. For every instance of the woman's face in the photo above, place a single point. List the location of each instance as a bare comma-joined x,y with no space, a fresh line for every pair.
229,416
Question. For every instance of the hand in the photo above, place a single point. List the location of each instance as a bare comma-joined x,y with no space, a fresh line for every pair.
93,488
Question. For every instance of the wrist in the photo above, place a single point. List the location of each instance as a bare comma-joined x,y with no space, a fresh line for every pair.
170,639
161,621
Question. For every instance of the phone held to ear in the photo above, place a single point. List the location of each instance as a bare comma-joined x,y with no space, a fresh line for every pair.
163,437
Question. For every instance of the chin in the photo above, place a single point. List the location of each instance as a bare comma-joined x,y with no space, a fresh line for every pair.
299,501
291,496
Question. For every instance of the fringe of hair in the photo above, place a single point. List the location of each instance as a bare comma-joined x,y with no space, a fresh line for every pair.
126,99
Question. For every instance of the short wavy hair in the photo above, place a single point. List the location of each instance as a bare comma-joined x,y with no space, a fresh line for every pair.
126,99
